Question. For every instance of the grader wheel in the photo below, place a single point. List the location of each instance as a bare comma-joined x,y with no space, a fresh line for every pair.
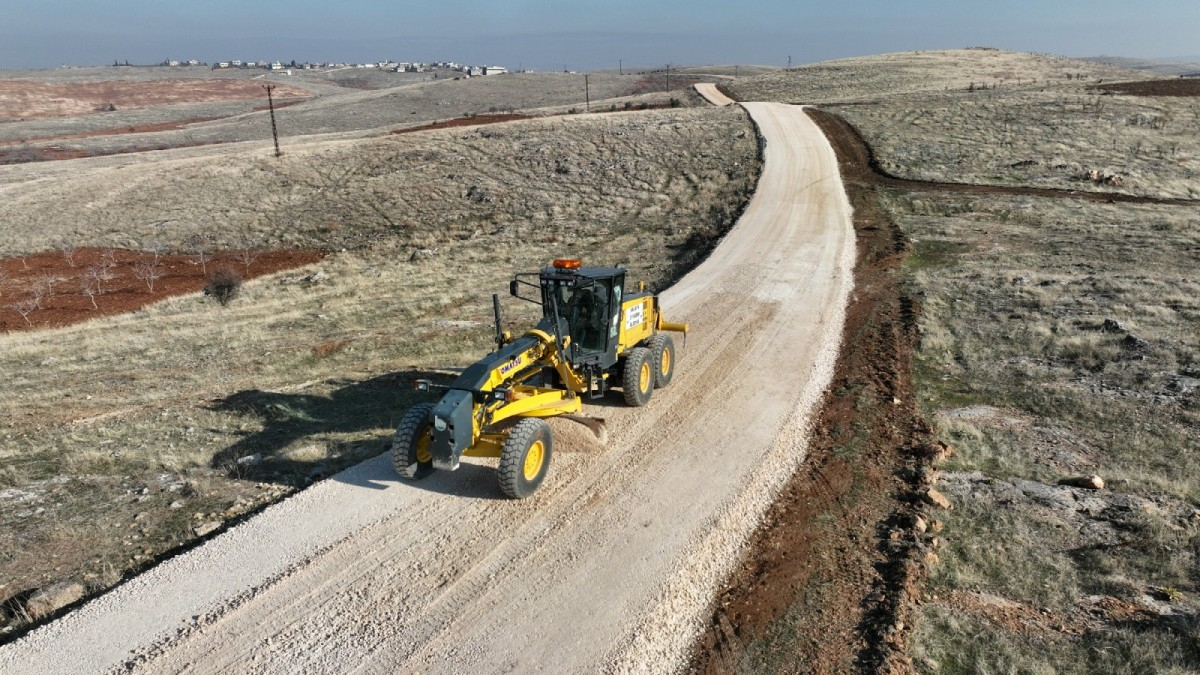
525,457
638,378
662,348
410,446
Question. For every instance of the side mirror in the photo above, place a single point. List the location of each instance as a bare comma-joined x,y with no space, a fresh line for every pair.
512,288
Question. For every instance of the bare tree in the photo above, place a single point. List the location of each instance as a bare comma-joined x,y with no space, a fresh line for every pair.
48,279
149,272
68,251
3,280
201,247
36,293
108,258
90,287
25,308
97,274
156,249
246,253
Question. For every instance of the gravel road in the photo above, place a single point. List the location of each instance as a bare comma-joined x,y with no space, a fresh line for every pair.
609,567
711,94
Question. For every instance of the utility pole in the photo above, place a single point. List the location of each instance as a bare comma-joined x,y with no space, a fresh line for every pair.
789,61
587,93
668,78
271,105
620,67
735,71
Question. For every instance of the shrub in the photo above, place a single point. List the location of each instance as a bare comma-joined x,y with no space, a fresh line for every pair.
223,285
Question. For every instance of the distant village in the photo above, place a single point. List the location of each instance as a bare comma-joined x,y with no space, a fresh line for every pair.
390,66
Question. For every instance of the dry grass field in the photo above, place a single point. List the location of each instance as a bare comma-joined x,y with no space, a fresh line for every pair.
1058,339
126,437
315,105
991,117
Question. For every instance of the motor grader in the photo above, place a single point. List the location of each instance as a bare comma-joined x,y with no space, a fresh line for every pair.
594,334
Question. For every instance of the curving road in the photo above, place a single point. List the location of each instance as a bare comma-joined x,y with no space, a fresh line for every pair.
609,567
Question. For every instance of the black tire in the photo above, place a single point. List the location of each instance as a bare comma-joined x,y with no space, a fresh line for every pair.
410,445
525,457
662,347
638,378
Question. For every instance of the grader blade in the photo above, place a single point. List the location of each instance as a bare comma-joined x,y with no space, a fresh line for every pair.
596,424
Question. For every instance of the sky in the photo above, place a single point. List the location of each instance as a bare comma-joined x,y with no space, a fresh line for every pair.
577,34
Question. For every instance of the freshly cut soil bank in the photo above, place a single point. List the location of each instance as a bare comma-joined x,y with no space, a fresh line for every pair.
823,585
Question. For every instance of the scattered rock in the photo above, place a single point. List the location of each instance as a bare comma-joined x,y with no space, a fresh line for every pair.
315,278
206,528
53,597
250,460
935,498
1113,326
936,526
1087,482
940,452
1135,343
919,524
422,254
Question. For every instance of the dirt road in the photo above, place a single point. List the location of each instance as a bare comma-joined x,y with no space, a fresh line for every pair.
609,567
711,94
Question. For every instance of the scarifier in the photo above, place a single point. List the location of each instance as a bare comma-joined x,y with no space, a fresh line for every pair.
594,334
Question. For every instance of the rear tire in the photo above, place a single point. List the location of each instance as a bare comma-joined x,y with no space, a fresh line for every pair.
662,347
410,446
638,378
525,457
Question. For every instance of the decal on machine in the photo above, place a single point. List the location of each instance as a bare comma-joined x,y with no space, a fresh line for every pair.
634,316
511,365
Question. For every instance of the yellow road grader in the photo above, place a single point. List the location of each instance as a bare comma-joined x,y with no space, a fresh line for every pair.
594,334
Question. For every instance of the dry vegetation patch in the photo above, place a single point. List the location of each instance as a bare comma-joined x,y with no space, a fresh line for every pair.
308,371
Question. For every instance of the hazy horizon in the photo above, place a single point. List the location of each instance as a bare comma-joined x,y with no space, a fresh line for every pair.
544,35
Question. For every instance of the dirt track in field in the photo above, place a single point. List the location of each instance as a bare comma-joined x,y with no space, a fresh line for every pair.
611,566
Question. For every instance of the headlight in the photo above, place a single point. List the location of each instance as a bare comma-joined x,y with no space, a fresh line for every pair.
439,424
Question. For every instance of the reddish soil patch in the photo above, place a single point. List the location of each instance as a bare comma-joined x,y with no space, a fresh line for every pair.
30,99
1182,86
826,582
22,155
52,292
116,131
464,122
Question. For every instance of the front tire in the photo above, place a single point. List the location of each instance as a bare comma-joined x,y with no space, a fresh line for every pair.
410,446
525,457
662,348
638,378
